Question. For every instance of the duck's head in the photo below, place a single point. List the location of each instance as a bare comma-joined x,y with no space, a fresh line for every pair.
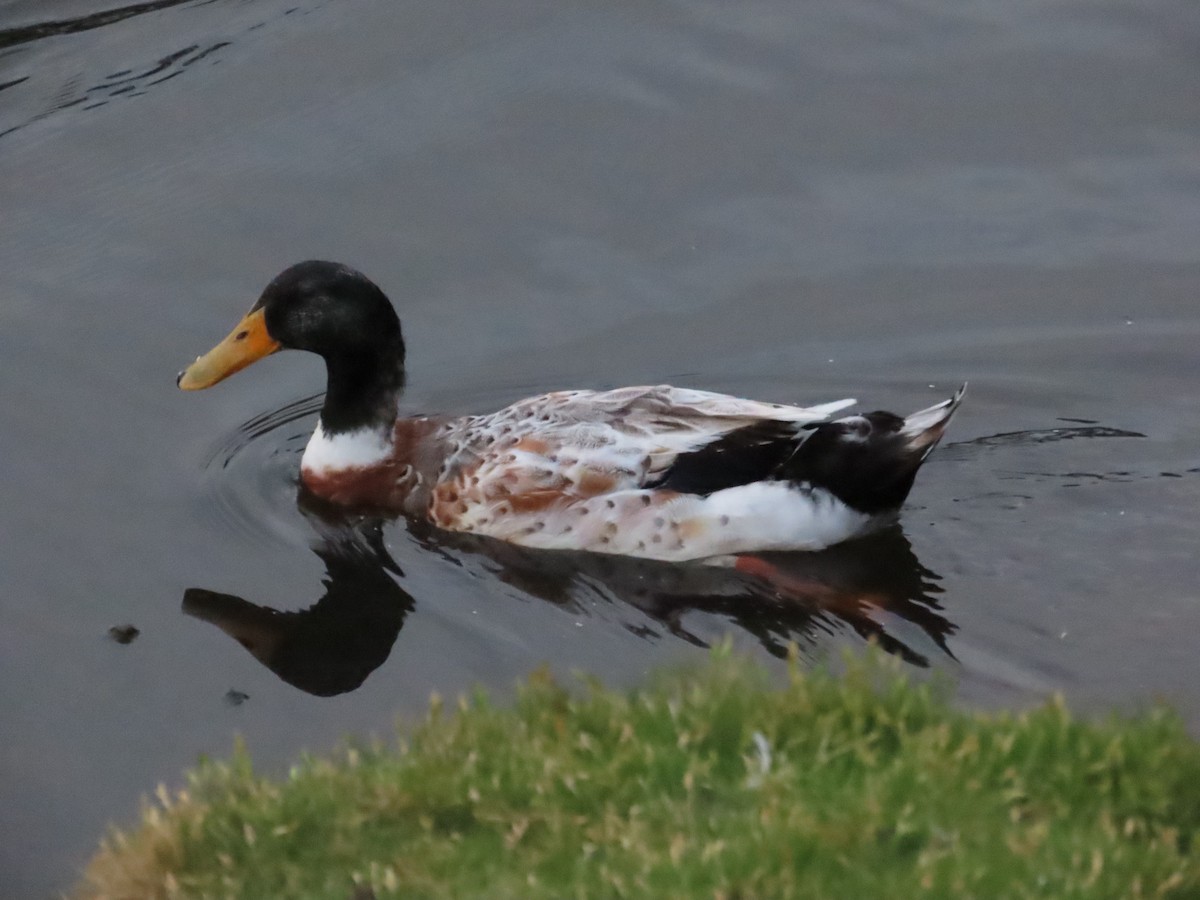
328,309
323,307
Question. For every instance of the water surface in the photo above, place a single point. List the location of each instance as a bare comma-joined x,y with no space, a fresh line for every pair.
793,202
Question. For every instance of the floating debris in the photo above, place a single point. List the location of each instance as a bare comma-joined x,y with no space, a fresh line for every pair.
123,634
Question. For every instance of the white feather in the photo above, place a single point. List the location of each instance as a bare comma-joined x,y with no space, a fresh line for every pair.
348,450
757,517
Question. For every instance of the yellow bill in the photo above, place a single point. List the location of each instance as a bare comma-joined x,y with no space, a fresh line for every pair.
247,343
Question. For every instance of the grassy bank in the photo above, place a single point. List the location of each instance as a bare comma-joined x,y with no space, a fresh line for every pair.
705,784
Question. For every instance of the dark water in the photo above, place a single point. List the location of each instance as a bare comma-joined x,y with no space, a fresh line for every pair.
791,201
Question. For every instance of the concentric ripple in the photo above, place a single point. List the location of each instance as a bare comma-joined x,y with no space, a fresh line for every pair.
249,474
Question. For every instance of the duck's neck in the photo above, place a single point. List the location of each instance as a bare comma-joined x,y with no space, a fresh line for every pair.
359,414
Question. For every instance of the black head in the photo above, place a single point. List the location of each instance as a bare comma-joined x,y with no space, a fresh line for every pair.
333,311
329,309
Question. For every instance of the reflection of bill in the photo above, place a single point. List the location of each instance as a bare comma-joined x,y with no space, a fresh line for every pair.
331,647
875,586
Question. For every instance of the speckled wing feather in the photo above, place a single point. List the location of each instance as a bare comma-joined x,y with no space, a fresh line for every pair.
518,471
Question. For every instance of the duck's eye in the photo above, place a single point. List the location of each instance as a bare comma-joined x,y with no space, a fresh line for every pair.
241,335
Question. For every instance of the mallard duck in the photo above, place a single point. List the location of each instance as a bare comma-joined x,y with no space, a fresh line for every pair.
659,472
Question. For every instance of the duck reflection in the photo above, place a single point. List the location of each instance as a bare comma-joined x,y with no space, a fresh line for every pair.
331,647
870,585
874,586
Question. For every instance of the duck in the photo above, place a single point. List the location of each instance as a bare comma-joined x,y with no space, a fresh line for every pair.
658,472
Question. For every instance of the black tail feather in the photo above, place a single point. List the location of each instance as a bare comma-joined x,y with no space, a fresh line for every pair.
870,461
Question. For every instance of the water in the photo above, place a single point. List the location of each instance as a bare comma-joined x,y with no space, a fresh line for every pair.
792,202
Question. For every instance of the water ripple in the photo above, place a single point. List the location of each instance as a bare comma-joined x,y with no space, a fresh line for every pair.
249,474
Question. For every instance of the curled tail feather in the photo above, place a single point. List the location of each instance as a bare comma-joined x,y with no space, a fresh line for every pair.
925,427
870,461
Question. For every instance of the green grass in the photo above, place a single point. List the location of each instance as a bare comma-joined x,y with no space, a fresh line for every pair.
869,787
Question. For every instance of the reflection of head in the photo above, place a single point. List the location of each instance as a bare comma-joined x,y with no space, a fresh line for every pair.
331,647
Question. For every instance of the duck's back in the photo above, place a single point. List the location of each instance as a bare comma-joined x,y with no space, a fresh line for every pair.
634,471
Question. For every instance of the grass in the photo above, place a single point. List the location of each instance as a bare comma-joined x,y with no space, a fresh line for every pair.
708,783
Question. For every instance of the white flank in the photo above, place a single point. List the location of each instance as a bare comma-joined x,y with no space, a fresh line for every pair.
767,515
773,515
349,450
